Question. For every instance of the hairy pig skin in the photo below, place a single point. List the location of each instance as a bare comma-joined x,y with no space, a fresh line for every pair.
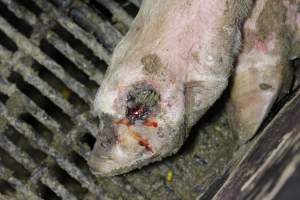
183,51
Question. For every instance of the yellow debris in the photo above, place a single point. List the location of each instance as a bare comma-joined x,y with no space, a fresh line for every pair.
218,128
170,176
65,93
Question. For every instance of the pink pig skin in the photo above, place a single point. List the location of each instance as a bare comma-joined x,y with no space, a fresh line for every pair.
263,73
175,62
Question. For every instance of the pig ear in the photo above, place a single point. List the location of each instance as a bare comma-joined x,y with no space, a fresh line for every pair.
252,95
262,73
259,80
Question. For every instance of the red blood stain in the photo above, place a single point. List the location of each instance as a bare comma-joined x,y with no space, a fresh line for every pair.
147,122
124,121
146,145
150,123
142,141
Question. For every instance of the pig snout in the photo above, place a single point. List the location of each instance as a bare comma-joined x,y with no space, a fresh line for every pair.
164,75
138,129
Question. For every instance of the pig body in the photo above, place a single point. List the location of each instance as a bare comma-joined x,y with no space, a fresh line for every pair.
167,71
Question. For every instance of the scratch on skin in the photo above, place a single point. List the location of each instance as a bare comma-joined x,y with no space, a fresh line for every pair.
150,123
142,141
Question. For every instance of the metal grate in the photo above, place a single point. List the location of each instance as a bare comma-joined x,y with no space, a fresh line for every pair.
53,54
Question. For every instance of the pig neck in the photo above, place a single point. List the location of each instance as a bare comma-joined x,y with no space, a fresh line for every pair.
194,38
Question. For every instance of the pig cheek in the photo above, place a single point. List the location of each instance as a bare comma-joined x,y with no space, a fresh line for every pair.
172,104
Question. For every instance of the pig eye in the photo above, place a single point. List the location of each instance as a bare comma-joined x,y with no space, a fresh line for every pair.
140,104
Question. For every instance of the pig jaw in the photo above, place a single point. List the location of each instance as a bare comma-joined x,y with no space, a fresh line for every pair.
133,133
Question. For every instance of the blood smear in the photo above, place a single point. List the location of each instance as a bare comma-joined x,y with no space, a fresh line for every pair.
150,123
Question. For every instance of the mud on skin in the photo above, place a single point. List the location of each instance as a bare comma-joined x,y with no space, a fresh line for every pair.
172,65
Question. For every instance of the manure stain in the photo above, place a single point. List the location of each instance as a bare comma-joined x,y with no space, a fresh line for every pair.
152,63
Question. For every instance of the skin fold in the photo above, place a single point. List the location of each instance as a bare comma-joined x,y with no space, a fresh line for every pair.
172,65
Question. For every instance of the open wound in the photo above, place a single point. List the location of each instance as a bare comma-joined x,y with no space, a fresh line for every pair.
141,105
